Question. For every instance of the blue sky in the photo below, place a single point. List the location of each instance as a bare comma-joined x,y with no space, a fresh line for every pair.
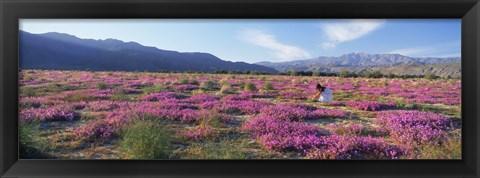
275,40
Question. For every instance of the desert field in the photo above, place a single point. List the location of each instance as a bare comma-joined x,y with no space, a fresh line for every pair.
141,115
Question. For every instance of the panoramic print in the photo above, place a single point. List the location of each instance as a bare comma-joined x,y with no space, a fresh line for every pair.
329,89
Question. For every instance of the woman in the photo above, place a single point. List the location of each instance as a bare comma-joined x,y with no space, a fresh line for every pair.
324,94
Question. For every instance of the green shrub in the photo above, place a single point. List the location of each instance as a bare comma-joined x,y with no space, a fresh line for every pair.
347,74
28,91
25,135
146,140
208,85
224,149
377,74
303,81
120,97
343,74
211,120
450,149
412,106
194,82
249,86
400,102
452,82
67,87
429,75
26,139
226,89
31,146
78,96
53,86
102,86
224,82
268,86
183,81
356,84
381,99
292,73
87,116
27,77
152,89
342,95
384,83
197,91
367,74
391,75
263,91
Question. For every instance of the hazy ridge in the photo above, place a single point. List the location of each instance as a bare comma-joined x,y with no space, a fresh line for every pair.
387,63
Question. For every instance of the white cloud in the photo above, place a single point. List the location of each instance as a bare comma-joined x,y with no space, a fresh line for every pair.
266,40
347,30
436,50
413,51
450,55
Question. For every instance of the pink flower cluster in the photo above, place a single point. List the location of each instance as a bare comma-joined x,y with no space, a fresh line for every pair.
247,95
105,105
130,91
186,87
201,98
98,94
283,135
37,101
209,104
337,103
364,105
292,95
76,105
237,97
286,112
241,106
354,147
121,117
325,113
184,115
95,129
171,103
161,96
298,112
103,128
369,105
410,127
47,114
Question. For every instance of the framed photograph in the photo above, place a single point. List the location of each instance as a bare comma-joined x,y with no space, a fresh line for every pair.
239,88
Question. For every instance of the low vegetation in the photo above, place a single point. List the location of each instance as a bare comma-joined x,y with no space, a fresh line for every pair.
142,115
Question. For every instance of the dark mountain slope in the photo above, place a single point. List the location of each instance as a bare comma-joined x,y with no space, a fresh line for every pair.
66,52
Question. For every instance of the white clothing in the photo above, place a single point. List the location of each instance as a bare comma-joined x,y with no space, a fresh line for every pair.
326,96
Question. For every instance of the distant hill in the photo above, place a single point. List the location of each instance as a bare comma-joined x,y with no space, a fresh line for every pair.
359,62
66,52
439,69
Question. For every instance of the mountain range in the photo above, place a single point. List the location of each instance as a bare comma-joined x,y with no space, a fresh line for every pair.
61,51
359,62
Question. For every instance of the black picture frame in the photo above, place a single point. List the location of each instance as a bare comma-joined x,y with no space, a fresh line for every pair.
13,10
